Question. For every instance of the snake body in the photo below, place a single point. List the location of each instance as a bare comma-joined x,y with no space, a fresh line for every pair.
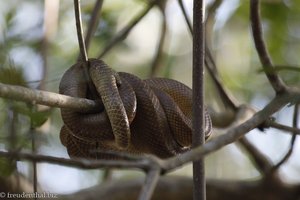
151,116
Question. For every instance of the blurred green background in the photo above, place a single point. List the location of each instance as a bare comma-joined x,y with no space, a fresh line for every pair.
31,51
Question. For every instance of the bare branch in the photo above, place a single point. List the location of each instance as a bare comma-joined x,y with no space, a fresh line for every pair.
186,17
81,42
24,94
282,127
227,98
82,47
261,163
126,30
143,163
150,184
261,48
198,109
232,135
93,22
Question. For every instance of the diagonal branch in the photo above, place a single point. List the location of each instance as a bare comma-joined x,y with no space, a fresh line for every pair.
126,30
261,163
93,22
150,184
261,48
232,135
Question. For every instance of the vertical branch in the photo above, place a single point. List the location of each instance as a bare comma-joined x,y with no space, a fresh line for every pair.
198,95
34,164
83,52
81,42
261,48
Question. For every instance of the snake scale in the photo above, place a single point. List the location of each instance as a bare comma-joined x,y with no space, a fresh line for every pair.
152,116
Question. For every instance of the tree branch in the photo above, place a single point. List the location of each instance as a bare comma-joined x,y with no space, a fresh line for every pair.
261,48
232,135
24,94
261,163
293,140
150,184
144,163
126,30
93,22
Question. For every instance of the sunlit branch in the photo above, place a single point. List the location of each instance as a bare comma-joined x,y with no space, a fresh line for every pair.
52,99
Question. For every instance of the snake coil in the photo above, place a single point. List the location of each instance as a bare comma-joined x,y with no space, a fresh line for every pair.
150,116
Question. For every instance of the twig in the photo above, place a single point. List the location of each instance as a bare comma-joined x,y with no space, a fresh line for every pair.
32,96
150,184
293,140
93,22
159,52
81,42
261,49
143,163
186,17
82,48
125,31
282,127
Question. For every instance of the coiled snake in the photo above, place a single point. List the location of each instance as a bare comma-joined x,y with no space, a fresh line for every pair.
140,116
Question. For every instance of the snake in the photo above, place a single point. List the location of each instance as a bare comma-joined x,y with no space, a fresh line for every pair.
150,116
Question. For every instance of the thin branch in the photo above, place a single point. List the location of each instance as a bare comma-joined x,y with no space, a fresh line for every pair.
261,163
282,127
149,185
93,22
81,42
232,135
159,52
293,140
261,48
226,97
144,163
186,17
52,99
82,48
34,164
126,30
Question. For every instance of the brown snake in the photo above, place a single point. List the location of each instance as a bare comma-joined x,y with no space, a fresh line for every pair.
151,116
